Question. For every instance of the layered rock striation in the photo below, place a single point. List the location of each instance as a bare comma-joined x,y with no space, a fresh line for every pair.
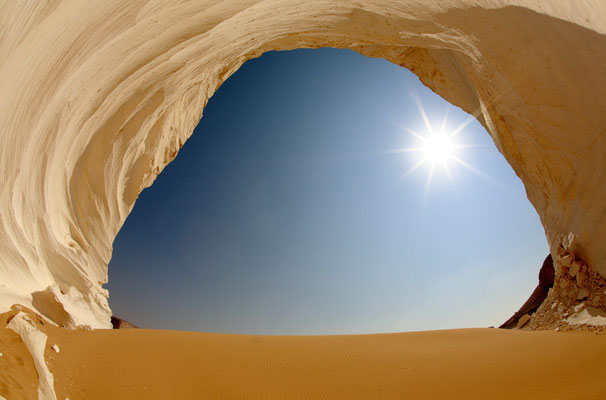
96,98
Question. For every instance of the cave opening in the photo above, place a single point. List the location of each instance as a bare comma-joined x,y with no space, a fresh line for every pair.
301,206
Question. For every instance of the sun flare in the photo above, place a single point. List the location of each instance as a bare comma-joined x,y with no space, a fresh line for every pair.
437,148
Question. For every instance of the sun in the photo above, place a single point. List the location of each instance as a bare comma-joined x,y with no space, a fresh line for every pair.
437,148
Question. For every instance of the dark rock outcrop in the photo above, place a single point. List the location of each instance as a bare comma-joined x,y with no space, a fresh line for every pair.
546,278
119,323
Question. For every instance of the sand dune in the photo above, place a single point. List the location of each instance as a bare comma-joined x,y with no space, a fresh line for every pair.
98,97
453,364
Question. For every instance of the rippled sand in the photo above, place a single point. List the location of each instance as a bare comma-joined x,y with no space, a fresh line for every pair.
454,364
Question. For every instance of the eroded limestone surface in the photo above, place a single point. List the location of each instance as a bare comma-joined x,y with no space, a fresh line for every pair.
577,301
96,98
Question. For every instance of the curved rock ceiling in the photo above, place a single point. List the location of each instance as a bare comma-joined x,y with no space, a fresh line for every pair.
97,97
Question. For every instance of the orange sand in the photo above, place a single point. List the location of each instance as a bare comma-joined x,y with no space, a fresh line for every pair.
18,378
456,364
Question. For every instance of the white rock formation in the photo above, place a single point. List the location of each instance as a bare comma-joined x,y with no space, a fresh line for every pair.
588,316
97,97
35,341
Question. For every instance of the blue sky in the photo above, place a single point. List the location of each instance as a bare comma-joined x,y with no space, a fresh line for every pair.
286,212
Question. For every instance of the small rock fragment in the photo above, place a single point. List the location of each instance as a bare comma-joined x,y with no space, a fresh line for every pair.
574,269
579,307
583,294
580,277
589,316
595,297
55,347
523,320
566,260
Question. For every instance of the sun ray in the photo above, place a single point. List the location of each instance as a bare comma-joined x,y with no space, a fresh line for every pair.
413,133
411,170
427,185
499,185
471,146
450,179
405,150
460,128
421,109
444,122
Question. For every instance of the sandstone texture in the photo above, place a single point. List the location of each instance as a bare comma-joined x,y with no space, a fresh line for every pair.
96,98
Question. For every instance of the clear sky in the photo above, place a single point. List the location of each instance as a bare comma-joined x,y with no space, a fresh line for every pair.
290,211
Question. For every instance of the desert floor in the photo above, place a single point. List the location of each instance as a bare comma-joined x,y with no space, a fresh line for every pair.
453,364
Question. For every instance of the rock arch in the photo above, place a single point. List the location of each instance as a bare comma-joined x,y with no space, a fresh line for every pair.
97,98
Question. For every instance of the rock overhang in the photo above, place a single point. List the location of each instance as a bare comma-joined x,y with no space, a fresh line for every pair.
98,99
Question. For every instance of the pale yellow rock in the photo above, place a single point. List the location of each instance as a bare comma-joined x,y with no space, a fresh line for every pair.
523,320
574,269
582,294
97,97
566,260
580,278
588,316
